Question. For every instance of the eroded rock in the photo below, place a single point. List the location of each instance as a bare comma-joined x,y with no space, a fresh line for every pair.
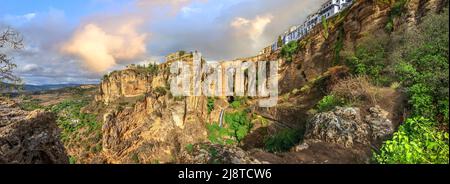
342,126
29,137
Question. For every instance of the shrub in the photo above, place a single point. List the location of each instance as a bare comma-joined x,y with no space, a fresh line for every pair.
210,104
397,8
189,148
370,58
31,105
238,102
235,104
239,124
325,27
422,66
236,128
288,51
160,91
153,69
355,89
72,160
416,142
329,103
283,141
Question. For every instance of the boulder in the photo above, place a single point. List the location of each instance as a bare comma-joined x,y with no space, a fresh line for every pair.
342,126
379,123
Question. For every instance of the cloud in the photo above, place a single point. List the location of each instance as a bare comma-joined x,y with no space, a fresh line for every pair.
174,5
30,68
116,38
123,32
252,29
100,48
18,19
224,30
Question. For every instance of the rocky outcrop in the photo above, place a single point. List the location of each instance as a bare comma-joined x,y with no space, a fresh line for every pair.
155,130
344,126
380,125
207,153
126,83
29,137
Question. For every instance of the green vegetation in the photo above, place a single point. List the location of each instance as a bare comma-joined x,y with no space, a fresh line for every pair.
370,58
189,148
329,103
280,42
288,51
72,160
31,105
160,91
416,142
71,120
339,45
283,140
422,67
210,104
237,126
397,8
238,102
325,27
135,158
418,61
153,69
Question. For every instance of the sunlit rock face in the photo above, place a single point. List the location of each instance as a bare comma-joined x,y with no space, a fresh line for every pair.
126,83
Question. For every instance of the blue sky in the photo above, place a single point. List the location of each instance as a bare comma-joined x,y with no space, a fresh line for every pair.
120,32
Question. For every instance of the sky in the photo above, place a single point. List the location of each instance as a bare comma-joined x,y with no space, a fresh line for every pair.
79,41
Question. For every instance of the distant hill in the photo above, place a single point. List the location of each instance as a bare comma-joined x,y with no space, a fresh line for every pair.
48,87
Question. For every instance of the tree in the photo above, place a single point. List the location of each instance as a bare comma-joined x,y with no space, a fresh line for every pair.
8,39
280,42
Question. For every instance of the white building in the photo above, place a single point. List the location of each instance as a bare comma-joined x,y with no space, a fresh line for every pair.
329,9
333,7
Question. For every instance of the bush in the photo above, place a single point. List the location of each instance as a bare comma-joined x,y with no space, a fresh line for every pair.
422,67
237,126
238,102
235,104
355,89
31,105
416,142
329,103
288,51
210,104
370,58
160,91
283,141
397,9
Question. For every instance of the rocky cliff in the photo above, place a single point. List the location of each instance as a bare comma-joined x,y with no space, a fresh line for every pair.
158,127
29,137
126,83
321,49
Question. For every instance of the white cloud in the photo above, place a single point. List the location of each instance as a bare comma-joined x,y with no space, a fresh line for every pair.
253,28
18,19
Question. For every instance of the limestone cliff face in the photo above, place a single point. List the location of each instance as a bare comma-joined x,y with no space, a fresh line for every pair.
155,130
126,83
157,127
29,137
